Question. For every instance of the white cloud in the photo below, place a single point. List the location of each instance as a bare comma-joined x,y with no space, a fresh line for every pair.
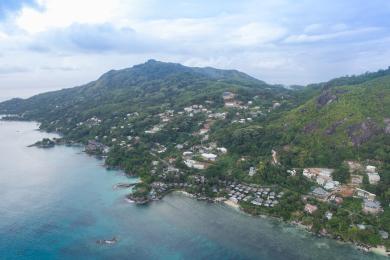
257,33
3,36
59,13
177,29
309,38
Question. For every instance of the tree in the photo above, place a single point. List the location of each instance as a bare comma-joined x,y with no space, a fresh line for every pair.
341,174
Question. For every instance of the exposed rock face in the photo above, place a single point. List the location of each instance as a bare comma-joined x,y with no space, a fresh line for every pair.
310,127
387,125
325,98
361,133
332,129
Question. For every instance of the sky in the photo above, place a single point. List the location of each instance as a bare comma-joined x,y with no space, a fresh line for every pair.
52,44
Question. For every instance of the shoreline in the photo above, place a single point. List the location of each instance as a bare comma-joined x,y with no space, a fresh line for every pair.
378,250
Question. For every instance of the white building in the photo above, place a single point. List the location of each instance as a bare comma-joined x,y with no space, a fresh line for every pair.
373,177
194,164
187,153
308,174
364,194
209,156
321,181
331,185
222,150
329,215
292,172
324,173
370,168
252,171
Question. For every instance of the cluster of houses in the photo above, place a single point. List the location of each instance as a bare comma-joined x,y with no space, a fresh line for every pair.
370,204
242,120
255,111
166,173
195,164
230,102
200,157
217,115
256,195
155,129
206,127
95,147
372,174
158,189
358,171
329,188
194,109
322,176
159,148
190,111
132,115
247,117
93,121
166,116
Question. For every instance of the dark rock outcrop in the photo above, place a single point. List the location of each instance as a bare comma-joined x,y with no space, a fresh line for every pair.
362,132
332,129
310,127
387,125
325,98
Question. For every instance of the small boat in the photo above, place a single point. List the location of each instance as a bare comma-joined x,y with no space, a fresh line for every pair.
107,241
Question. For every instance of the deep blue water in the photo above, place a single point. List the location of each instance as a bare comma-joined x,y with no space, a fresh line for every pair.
55,203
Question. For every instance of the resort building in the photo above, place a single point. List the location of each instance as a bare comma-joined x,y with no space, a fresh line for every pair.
372,207
209,156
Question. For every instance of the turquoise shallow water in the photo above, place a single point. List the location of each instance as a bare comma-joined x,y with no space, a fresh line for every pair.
55,204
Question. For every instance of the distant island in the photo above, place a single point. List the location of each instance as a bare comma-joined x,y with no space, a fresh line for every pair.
316,155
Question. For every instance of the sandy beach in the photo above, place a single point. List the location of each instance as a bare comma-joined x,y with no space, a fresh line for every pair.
380,250
184,193
232,204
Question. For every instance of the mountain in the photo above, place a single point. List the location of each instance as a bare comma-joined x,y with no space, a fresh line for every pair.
147,86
